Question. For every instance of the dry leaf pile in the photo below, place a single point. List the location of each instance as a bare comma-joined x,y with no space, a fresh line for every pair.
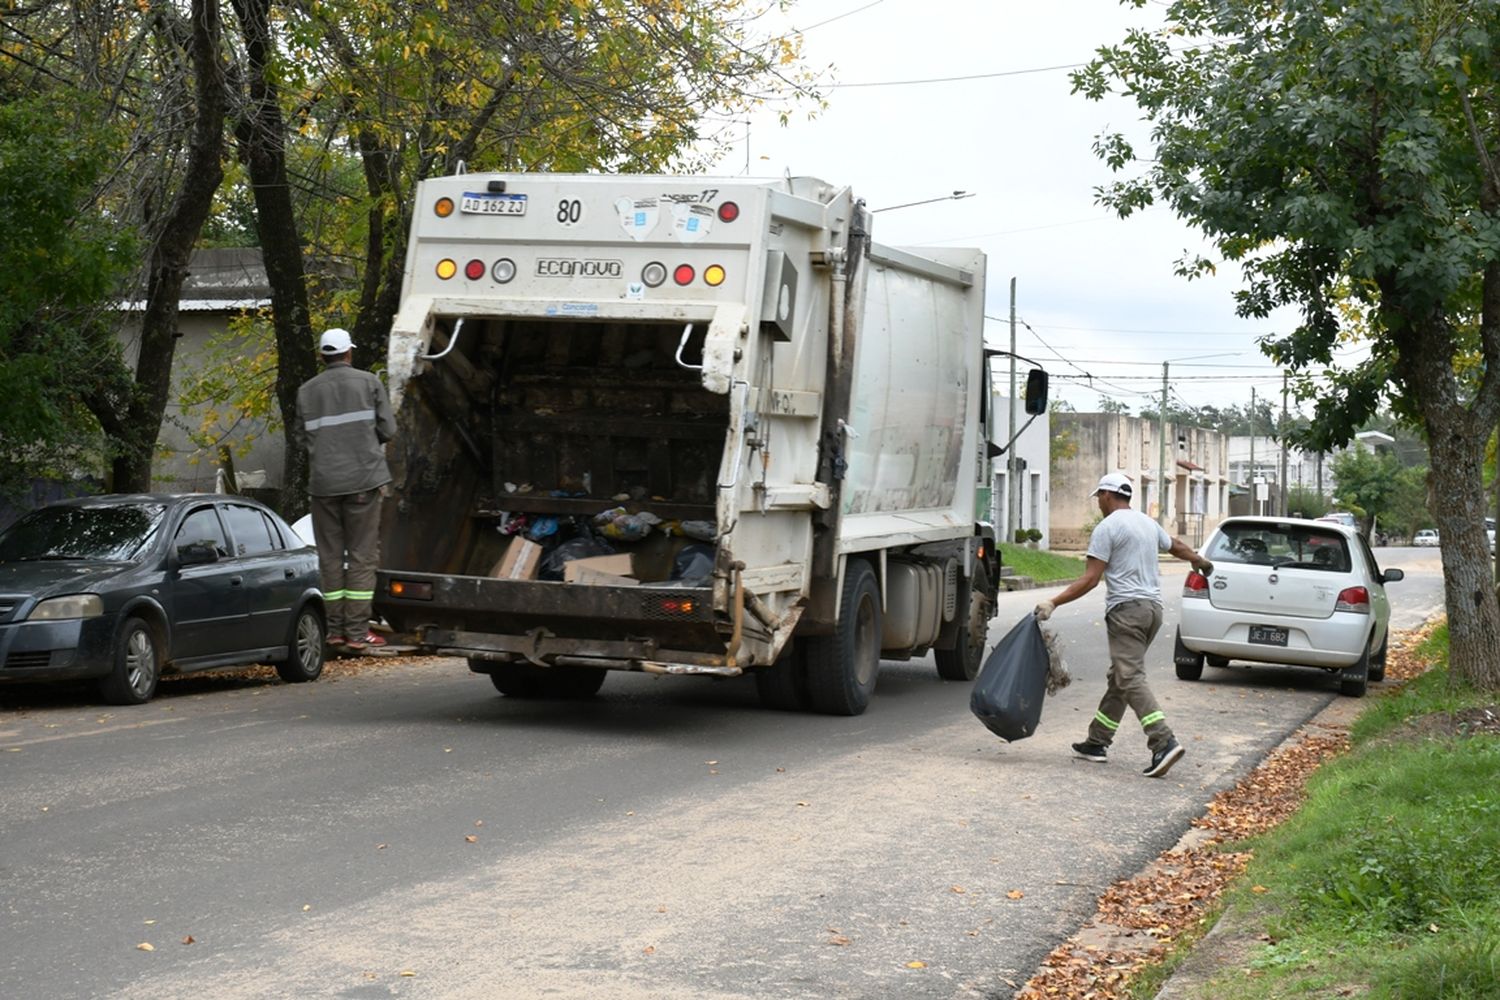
1138,918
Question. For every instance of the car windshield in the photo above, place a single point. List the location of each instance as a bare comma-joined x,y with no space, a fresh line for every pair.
112,533
1281,546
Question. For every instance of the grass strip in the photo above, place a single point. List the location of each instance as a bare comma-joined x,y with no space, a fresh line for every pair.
1040,565
1385,883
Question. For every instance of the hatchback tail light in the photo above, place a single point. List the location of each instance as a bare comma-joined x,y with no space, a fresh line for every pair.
1356,599
1196,585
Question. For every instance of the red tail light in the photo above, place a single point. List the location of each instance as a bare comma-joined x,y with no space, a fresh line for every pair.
677,605
1356,599
1196,585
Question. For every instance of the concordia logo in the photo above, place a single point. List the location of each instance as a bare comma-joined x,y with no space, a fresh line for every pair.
569,267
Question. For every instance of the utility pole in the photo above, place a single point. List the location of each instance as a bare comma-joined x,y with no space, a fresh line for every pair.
1012,467
1161,450
1254,500
1284,376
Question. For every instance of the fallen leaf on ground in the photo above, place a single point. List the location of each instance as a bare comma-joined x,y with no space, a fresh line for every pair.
189,939
839,940
471,839
956,888
1015,894
145,946
916,965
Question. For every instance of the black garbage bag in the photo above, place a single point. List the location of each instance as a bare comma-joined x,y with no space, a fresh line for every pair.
583,547
694,565
1008,692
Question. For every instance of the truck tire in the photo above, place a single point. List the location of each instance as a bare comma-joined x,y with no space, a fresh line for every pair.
514,680
573,683
961,663
842,667
783,685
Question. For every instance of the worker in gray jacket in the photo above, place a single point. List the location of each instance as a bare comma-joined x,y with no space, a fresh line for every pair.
344,419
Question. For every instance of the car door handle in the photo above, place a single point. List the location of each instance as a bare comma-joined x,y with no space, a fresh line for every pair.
235,581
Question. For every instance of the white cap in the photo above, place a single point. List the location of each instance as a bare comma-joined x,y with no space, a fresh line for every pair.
1115,482
335,341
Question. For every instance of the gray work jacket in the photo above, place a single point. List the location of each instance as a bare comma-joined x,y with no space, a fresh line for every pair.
344,419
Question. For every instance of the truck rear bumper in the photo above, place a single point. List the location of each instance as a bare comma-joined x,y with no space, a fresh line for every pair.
540,621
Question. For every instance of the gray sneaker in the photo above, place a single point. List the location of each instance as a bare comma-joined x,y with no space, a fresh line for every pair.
1163,759
1089,750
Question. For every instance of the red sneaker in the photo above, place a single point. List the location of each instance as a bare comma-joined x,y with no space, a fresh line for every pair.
372,639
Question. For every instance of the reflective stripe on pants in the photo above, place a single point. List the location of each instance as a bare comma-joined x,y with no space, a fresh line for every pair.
1131,627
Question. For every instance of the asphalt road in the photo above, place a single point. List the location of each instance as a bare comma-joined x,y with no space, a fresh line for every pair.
407,832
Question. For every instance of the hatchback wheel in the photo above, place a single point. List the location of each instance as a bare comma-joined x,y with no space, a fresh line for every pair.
304,658
1354,680
1189,664
1377,662
137,667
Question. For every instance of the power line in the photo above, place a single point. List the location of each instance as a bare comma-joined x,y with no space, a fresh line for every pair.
839,17
957,79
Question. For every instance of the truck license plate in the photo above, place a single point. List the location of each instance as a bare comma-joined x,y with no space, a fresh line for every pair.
484,203
1268,635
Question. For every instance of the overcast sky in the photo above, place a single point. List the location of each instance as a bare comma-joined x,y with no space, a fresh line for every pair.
1098,294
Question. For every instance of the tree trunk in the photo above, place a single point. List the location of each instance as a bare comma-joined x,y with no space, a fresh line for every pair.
385,252
174,239
261,134
1456,437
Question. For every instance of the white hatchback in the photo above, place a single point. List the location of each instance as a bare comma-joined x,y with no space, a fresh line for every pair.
1287,591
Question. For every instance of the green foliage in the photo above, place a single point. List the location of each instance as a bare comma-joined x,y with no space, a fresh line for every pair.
228,395
1305,501
61,257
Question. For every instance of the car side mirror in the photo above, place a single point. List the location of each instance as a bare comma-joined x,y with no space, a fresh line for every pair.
197,553
1392,575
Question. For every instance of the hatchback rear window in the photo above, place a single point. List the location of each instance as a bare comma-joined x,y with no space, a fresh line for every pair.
1280,546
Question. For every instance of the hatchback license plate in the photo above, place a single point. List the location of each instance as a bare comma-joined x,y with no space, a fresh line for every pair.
1268,635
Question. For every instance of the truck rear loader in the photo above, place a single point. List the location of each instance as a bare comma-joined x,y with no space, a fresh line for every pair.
684,426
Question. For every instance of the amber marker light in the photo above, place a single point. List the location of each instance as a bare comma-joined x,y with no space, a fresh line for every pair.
443,207
446,269
713,275
411,591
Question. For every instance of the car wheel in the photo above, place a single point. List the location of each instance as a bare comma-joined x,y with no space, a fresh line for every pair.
1377,662
304,657
1354,680
1189,664
137,667
842,667
961,663
783,685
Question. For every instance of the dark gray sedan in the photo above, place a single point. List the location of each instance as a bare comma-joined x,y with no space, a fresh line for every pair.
124,588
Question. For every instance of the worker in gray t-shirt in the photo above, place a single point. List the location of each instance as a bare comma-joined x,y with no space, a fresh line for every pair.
1123,552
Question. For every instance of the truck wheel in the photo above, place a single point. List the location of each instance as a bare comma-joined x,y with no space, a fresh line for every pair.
572,682
841,668
1189,664
304,656
515,680
137,667
783,685
961,663
1353,681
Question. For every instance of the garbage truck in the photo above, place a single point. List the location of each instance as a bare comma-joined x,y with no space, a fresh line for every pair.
684,426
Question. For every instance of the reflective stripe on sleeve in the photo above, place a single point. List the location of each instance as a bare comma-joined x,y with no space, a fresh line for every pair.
333,420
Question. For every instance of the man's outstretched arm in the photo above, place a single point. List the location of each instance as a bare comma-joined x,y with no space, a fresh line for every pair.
1093,572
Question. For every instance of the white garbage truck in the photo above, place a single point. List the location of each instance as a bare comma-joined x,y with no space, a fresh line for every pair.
685,426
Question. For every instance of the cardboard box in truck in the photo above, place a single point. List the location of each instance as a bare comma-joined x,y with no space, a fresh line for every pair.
789,413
